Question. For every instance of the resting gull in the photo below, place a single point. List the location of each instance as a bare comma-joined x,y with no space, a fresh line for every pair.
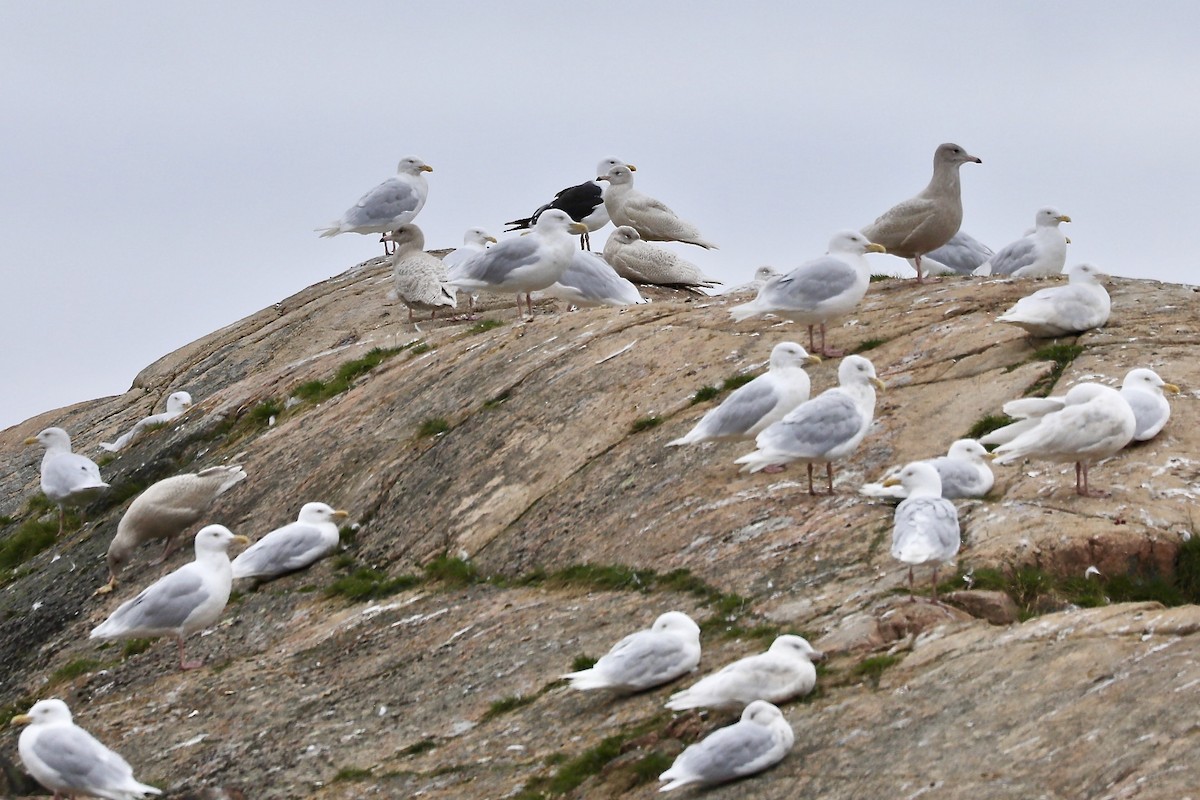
524,264
760,739
1040,254
1094,423
165,511
759,403
653,221
761,276
389,205
1143,390
819,290
784,671
177,403
925,528
67,478
1081,305
182,602
642,262
824,429
590,281
418,278
963,471
584,203
925,222
68,760
475,241
962,255
293,547
657,655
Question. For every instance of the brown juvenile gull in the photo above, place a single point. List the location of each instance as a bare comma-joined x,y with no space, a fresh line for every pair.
651,218
67,477
165,511
583,202
641,262
925,222
389,205
418,278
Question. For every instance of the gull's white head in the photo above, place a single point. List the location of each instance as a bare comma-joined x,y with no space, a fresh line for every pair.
478,236
318,513
1085,273
411,165
625,235
555,219
1147,380
853,242
407,237
856,370
676,622
620,175
760,712
178,402
968,450
798,645
919,479
608,163
216,539
790,354
52,439
44,712
1049,217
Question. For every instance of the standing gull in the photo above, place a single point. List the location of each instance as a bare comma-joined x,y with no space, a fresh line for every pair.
1081,305
925,528
182,602
962,255
925,222
1094,423
524,264
651,218
1040,254
68,760
963,471
760,739
642,262
177,403
389,205
1143,390
67,477
657,655
165,511
590,281
761,402
475,241
584,203
823,429
418,278
293,547
783,672
819,290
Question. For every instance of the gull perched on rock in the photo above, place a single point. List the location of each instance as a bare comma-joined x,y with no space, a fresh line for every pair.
1143,390
784,671
67,477
925,528
475,241
963,471
293,547
418,278
962,255
657,655
590,281
177,403
819,290
1040,254
761,276
1081,305
524,264
824,429
583,202
759,403
651,218
165,511
925,222
1094,423
642,262
68,760
182,602
760,739
389,205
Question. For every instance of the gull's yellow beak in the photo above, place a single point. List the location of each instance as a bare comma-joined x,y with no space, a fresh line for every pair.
874,247
892,481
241,540
1170,387
31,440
811,359
632,168
880,385
992,456
21,719
340,514
1063,218
577,227
426,168
491,239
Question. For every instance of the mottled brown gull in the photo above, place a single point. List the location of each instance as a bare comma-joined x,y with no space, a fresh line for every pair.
651,218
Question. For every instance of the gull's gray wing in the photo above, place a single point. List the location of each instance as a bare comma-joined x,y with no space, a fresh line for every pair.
292,547
739,749
164,605
741,410
959,478
813,428
643,659
386,201
497,263
963,253
925,529
811,284
1012,257
82,761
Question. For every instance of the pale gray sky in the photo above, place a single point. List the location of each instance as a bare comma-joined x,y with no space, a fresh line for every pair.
164,164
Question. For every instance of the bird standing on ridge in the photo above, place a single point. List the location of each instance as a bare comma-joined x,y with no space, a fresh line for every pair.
418,278
177,403
583,203
926,222
67,477
1039,254
925,528
652,219
389,205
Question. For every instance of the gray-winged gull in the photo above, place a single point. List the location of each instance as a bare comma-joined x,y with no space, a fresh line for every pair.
418,278
1040,254
583,202
926,222
177,403
68,760
590,281
963,471
475,241
824,429
925,528
761,276
759,403
659,654
760,739
1143,390
962,255
389,205
295,546
651,218
67,478
784,671
642,262
1081,305
165,511
819,290
182,602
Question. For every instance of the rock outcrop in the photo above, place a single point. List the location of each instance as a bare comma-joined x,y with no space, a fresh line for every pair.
494,463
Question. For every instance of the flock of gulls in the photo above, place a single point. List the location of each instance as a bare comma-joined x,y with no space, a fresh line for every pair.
776,411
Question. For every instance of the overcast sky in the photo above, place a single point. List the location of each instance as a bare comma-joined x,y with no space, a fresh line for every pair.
164,164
